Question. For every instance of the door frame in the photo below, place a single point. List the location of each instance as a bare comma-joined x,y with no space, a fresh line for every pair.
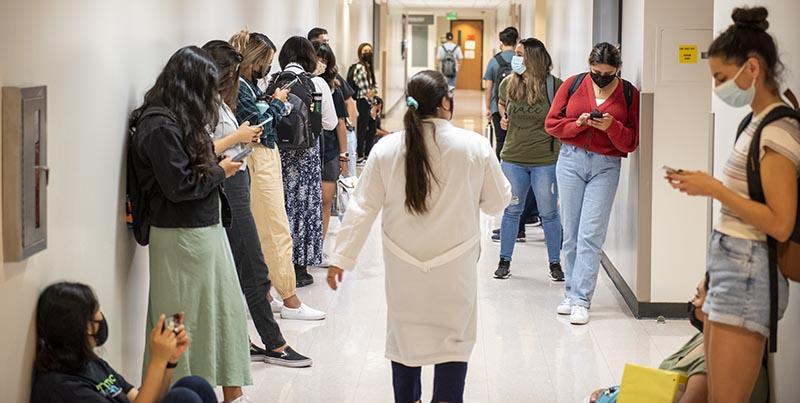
483,35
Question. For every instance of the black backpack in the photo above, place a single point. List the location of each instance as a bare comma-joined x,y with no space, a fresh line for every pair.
788,258
627,89
351,80
302,127
502,72
138,201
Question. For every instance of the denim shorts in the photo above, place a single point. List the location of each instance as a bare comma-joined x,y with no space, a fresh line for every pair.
738,293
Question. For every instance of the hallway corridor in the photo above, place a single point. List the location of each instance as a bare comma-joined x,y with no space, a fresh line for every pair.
524,352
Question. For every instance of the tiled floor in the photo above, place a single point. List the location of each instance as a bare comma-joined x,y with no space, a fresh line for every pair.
524,352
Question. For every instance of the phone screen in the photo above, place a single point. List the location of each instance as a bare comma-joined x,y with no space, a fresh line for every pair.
239,157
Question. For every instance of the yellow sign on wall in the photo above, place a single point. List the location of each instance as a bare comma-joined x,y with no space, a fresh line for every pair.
687,54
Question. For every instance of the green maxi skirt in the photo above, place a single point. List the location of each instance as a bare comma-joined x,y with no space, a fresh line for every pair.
192,270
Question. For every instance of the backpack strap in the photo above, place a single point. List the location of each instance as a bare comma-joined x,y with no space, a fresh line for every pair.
550,86
627,90
576,83
743,124
756,191
502,62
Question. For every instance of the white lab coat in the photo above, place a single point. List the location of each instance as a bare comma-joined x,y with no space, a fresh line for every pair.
431,260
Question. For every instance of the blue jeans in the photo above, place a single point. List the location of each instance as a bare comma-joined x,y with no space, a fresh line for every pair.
587,183
191,389
542,180
451,81
351,149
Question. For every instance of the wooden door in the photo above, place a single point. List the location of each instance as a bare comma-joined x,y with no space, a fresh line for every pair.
469,35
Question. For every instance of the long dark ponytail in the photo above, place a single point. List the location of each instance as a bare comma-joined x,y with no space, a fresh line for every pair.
424,93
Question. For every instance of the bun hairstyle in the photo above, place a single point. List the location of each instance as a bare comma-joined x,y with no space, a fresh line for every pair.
747,37
605,53
424,94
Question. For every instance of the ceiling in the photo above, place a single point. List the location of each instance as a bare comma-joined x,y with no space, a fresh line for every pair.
448,4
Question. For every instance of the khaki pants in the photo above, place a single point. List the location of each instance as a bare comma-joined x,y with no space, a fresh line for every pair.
269,212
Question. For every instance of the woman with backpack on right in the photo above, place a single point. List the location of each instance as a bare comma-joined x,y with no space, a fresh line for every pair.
264,163
530,154
597,120
362,75
740,313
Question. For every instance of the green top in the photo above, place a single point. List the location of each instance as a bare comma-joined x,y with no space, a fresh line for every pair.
696,364
527,143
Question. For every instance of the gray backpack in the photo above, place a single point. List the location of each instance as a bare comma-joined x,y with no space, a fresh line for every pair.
449,62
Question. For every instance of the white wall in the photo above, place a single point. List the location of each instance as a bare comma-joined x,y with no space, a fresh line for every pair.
784,28
97,59
569,35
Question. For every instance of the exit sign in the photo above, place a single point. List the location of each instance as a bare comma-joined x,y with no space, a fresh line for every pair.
451,15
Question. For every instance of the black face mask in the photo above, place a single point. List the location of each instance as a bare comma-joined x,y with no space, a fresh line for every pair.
367,57
697,323
602,81
259,74
101,335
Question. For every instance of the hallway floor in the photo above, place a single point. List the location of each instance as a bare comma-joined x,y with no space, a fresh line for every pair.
525,352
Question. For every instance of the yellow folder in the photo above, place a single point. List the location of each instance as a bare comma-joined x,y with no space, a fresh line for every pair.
650,385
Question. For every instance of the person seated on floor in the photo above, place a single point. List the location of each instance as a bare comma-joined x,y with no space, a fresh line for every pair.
379,130
70,325
690,360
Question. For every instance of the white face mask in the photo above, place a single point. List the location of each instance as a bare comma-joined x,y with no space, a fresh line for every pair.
321,67
731,94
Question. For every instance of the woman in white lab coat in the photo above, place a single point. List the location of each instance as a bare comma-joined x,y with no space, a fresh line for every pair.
431,181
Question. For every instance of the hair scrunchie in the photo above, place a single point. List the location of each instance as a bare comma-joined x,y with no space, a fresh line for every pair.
410,101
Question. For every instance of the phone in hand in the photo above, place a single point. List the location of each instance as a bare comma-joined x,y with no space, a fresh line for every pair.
242,155
291,84
265,121
596,114
172,322
671,171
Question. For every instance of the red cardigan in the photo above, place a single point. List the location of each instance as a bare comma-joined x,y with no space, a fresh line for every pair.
621,138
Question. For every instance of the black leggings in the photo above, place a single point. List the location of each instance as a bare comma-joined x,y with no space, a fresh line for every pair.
448,382
365,128
250,264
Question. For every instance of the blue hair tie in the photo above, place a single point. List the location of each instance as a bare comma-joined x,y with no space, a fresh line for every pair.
410,101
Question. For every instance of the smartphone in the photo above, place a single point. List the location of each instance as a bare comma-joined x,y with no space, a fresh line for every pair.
265,121
172,322
671,171
241,156
291,84
596,114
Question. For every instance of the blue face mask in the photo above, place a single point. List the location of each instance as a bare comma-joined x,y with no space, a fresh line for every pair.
518,64
731,94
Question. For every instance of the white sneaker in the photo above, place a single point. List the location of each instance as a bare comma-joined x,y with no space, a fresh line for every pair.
303,313
579,315
565,307
325,263
276,305
242,399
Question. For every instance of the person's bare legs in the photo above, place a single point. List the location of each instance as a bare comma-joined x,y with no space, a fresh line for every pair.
733,356
231,393
328,190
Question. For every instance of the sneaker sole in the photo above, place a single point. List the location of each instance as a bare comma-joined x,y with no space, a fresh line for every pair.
502,277
567,312
555,279
308,319
519,240
578,322
288,364
257,358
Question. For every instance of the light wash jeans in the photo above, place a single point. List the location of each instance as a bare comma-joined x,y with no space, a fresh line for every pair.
351,149
542,180
587,183
451,81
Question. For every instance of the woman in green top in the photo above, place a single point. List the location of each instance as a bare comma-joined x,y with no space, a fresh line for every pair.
690,360
529,154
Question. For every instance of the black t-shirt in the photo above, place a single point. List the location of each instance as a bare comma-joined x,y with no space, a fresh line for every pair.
98,383
330,141
347,90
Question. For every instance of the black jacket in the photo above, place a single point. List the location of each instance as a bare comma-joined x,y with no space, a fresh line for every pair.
178,196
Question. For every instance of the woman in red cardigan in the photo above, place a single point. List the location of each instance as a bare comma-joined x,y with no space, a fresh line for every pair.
597,121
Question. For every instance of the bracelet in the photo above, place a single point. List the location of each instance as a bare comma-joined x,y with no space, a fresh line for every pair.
171,365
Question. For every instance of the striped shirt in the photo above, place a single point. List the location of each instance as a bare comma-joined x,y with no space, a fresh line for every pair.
782,137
